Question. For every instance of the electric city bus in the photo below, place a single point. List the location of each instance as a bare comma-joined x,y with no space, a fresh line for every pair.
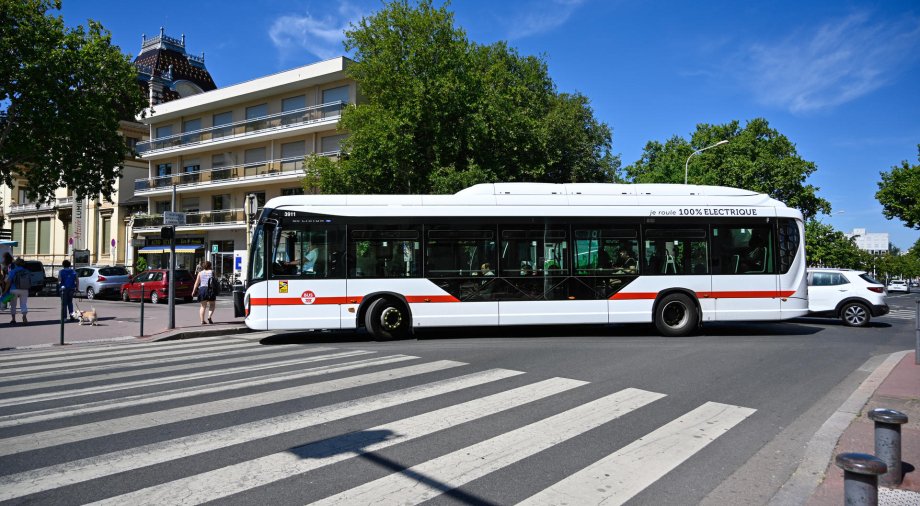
525,254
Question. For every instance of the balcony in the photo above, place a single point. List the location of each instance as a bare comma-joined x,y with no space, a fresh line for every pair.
225,218
242,129
262,172
31,208
64,201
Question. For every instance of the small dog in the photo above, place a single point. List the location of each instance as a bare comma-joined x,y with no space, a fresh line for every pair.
86,316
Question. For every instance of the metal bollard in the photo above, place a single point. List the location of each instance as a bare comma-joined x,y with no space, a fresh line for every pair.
860,478
142,310
888,443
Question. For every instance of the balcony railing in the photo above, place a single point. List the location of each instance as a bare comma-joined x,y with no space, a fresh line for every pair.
32,207
204,218
279,121
241,172
65,201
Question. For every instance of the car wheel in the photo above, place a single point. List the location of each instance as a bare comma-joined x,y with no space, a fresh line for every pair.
90,293
855,314
124,296
387,320
676,315
154,297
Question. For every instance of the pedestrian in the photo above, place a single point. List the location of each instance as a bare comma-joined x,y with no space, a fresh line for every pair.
67,279
205,285
18,282
5,267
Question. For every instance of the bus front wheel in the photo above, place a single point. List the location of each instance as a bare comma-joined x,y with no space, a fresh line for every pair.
386,320
676,315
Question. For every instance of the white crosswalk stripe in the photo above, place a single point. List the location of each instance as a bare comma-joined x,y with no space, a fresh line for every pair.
901,314
507,418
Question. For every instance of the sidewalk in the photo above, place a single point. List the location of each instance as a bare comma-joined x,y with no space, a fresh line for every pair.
118,321
900,390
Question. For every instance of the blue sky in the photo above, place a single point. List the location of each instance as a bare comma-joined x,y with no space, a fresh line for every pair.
839,78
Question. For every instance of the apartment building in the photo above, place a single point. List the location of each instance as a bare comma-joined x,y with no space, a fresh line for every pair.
876,243
93,230
218,148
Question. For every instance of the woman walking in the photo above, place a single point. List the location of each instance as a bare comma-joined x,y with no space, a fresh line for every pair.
207,295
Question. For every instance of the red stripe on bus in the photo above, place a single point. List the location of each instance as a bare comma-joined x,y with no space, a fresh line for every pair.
295,301
765,294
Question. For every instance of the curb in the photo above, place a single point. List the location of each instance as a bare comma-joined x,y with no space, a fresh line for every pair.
164,335
819,450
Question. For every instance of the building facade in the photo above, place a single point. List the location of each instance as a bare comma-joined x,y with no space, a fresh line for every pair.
873,242
217,148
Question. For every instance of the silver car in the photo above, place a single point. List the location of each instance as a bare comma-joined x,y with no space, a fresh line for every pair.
101,280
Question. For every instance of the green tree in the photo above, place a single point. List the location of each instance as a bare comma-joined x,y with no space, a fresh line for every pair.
899,193
62,94
827,247
440,113
757,158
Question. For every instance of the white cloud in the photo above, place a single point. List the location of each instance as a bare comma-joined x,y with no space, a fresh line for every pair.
835,63
320,36
543,16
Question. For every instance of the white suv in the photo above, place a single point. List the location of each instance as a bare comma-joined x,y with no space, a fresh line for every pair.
852,296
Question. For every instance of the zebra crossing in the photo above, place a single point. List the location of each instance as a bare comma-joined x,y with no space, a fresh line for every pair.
901,314
229,419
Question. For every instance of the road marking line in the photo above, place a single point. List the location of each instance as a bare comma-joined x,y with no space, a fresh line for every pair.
271,468
74,433
432,478
618,477
110,378
26,356
193,391
102,365
68,473
76,363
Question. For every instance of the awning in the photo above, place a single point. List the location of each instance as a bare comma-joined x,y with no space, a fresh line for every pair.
180,248
14,244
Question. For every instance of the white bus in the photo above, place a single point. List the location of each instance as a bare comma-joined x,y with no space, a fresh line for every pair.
525,254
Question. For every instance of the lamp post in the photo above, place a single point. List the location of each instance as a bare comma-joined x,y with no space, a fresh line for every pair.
698,151
250,208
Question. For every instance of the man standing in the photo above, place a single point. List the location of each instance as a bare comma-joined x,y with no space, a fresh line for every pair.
67,278
18,283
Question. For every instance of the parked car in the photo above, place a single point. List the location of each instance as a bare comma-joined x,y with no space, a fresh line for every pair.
853,296
156,287
37,271
898,285
101,280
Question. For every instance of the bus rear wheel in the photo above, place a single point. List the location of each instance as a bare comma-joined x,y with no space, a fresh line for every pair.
676,315
386,320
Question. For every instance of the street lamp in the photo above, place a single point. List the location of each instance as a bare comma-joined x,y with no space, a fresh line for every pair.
698,151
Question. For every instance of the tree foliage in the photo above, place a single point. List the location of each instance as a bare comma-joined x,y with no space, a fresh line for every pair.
827,247
440,113
899,193
757,158
62,94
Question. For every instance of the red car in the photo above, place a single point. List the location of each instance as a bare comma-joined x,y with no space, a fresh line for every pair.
156,288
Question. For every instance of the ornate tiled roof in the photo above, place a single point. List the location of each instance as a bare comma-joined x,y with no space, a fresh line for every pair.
165,67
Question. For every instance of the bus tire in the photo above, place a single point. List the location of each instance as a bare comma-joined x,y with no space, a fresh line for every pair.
676,315
386,320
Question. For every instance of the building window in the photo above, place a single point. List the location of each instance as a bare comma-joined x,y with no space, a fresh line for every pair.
44,236
192,125
292,153
17,236
254,160
162,206
291,191
68,234
131,143
293,103
190,205
334,95
256,111
28,238
23,196
105,235
224,118
163,131
220,202
331,144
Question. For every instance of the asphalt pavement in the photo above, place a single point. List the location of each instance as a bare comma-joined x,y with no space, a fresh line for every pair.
117,320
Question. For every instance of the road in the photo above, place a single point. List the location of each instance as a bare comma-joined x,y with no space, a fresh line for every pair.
492,416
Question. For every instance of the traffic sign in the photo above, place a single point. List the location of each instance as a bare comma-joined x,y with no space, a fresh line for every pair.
171,218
